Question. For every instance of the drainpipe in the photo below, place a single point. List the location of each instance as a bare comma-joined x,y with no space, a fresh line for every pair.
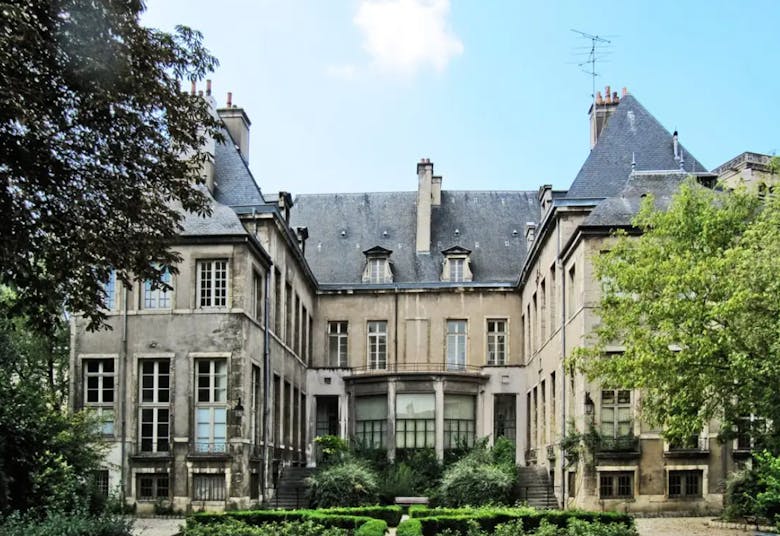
266,379
564,379
395,332
123,398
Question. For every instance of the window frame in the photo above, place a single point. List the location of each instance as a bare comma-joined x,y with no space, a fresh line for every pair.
156,299
207,284
456,346
161,427
215,406
376,347
616,406
497,338
214,483
683,484
615,485
155,481
341,338
100,407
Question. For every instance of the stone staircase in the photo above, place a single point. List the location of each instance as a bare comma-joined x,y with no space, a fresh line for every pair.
291,489
535,487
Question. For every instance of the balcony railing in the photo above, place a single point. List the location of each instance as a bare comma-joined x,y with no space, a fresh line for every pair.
695,446
205,448
419,367
619,444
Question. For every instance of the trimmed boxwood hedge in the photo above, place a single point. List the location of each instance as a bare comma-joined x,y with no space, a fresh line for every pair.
360,518
430,521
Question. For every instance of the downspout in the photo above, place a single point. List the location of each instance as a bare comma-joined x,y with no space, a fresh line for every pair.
395,332
123,398
266,379
564,379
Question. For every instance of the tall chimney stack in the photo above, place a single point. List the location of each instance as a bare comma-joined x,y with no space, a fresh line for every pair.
237,124
601,110
424,203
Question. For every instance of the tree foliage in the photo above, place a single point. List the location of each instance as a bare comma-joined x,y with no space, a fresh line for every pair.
694,300
93,130
47,455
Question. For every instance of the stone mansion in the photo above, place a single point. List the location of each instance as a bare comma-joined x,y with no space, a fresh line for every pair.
401,320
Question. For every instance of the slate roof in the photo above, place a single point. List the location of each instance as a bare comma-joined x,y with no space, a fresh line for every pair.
630,130
223,221
491,224
235,185
622,208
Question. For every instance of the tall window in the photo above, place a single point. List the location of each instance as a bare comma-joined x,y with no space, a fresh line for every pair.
371,421
456,344
297,326
415,421
553,405
257,293
289,314
152,486
685,483
459,418
208,487
158,298
496,336
616,485
99,391
211,409
616,413
456,270
543,411
212,283
337,343
278,302
154,403
505,417
377,345
109,301
572,291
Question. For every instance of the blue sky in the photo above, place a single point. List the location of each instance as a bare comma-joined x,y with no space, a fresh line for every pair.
347,95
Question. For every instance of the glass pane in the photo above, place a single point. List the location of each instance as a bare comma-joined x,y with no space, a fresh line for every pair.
459,407
420,406
369,408
624,397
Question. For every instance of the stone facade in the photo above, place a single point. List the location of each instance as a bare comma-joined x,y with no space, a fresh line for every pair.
400,321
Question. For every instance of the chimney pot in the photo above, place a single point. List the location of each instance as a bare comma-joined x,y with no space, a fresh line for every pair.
625,91
607,90
615,97
193,87
230,99
200,93
208,88
599,98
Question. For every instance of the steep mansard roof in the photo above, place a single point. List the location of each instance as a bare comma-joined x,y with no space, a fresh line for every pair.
234,183
342,226
631,131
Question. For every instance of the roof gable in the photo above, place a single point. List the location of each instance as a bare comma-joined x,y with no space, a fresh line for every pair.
631,134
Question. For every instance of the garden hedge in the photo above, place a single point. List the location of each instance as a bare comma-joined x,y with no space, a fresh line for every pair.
430,521
344,518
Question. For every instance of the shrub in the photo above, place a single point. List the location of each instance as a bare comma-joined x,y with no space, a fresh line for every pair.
425,464
742,488
232,527
400,480
350,483
375,527
331,449
469,483
409,527
58,524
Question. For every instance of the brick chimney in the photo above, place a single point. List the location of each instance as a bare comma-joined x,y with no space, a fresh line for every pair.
207,167
237,124
424,203
605,106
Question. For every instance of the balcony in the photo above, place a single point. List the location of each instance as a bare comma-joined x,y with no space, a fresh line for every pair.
695,447
208,450
418,368
618,448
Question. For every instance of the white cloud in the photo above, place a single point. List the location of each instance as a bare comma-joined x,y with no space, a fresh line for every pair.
403,36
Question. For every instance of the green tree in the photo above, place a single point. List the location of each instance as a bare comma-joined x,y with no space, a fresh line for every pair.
47,455
694,299
93,130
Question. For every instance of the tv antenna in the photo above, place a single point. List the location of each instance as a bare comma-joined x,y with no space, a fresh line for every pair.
596,51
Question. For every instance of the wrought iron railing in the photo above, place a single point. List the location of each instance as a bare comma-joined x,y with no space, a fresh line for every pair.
619,444
418,367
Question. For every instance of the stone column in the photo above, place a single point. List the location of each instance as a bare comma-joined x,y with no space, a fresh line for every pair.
391,390
438,388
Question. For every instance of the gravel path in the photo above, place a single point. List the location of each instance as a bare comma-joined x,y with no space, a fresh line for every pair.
683,526
156,526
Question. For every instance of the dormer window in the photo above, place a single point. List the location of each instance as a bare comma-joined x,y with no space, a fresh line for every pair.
378,269
457,265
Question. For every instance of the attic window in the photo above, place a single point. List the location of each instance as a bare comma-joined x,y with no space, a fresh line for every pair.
377,269
457,266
